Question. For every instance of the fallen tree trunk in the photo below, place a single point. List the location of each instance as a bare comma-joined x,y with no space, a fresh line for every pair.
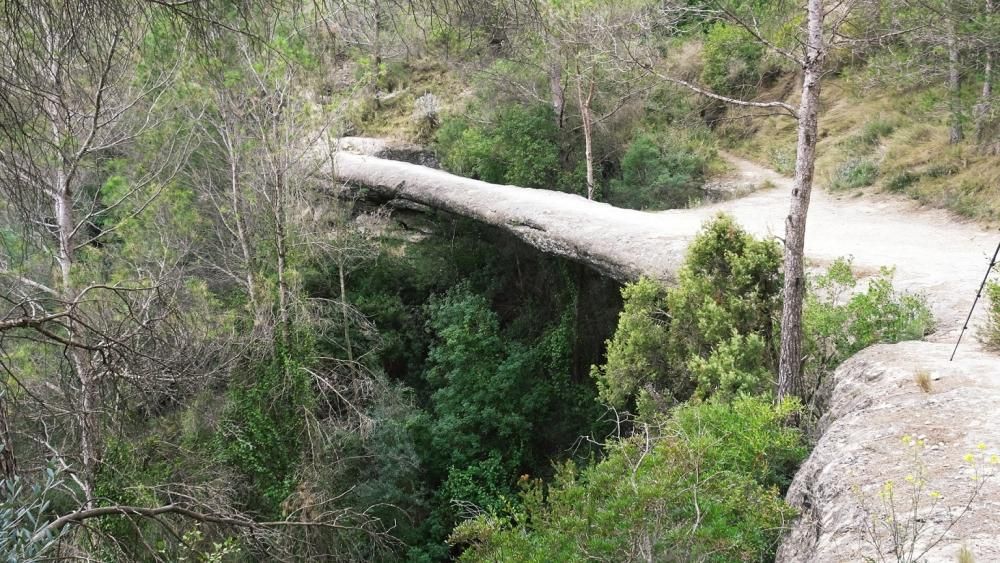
621,243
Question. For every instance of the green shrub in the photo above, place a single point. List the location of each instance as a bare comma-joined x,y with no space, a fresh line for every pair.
497,406
520,146
261,432
840,322
991,333
732,60
713,333
706,486
901,181
873,131
854,173
782,159
661,172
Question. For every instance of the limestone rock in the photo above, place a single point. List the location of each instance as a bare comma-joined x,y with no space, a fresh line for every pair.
875,402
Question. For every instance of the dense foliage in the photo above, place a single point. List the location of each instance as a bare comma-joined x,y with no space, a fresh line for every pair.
208,352
704,485
711,334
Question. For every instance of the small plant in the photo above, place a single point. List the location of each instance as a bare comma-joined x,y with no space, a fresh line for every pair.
901,181
990,335
898,520
854,173
426,114
874,131
965,555
782,159
923,380
840,321
25,517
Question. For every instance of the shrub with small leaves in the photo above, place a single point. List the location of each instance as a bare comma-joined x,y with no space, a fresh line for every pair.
990,334
24,518
854,173
705,484
711,334
840,321
426,114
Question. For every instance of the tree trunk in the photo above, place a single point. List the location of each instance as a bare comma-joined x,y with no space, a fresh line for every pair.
557,92
986,97
241,232
8,463
588,134
377,54
345,312
281,249
790,360
954,88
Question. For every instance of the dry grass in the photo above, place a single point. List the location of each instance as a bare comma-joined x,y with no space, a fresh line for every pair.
913,156
965,556
923,380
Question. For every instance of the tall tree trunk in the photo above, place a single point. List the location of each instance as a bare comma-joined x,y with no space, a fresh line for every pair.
281,249
954,88
790,360
8,463
241,231
88,409
986,97
557,91
345,312
588,133
377,54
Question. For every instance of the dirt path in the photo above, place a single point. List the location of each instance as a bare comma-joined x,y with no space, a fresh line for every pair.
933,251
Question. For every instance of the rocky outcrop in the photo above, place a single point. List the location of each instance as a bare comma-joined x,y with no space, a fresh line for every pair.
875,401
389,150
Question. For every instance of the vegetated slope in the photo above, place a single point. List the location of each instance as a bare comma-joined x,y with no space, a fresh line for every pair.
881,139
876,398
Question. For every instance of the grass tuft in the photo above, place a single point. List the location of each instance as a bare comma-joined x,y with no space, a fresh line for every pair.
923,380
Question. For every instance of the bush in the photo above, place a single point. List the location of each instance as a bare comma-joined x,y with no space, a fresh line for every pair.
838,324
712,334
497,407
874,130
991,332
901,181
660,172
261,432
782,159
732,60
854,173
520,146
707,486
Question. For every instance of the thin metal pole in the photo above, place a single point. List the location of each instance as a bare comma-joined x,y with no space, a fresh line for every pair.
979,294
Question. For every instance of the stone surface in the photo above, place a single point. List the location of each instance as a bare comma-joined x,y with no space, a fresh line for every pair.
875,402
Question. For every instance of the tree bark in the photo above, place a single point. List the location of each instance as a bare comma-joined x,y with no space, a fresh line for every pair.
790,360
281,249
954,88
986,97
345,312
588,130
8,463
557,91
